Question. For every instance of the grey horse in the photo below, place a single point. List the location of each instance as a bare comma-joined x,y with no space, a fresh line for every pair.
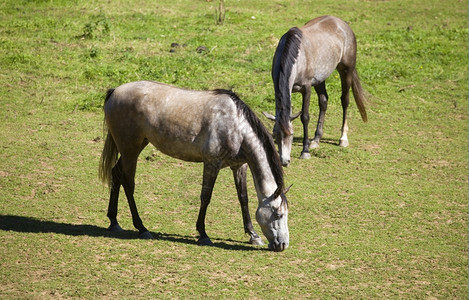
213,127
306,57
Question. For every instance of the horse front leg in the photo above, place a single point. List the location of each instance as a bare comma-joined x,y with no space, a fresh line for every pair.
239,175
322,101
306,93
209,178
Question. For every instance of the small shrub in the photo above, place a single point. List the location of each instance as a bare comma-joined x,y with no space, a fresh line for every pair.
98,27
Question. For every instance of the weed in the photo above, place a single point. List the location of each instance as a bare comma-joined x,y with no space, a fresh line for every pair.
97,27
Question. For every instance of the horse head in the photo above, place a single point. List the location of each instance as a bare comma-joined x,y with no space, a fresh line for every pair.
272,216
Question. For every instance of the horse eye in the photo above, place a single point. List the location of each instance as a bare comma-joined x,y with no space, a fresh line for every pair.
276,214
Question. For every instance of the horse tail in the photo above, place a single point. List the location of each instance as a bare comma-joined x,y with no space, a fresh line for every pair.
110,153
359,95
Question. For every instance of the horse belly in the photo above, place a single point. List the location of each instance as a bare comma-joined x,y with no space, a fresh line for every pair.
321,75
186,149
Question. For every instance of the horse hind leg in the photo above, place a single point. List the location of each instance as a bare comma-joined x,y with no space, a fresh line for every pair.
127,179
346,81
114,197
239,175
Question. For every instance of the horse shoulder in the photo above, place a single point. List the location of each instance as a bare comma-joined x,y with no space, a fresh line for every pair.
227,123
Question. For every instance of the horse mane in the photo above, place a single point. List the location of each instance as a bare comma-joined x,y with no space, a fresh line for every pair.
287,57
262,133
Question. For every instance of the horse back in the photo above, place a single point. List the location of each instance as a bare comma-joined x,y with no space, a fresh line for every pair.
185,124
327,41
328,24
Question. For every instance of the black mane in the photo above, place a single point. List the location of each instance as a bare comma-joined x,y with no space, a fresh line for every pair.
287,55
262,134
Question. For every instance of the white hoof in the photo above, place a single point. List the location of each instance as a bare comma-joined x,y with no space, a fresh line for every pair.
305,155
313,145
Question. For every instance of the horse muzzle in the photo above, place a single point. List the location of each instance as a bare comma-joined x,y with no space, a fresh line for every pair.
278,247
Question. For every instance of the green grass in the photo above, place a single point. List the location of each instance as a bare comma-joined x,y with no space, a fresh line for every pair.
385,218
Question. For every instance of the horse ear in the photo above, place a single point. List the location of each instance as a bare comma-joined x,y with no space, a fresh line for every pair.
293,117
269,116
286,191
277,193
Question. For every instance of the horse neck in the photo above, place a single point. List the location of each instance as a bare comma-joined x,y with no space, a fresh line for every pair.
283,92
285,63
264,179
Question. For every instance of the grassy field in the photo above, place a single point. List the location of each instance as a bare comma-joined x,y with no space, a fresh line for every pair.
385,218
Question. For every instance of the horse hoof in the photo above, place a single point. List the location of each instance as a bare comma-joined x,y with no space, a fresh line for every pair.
305,155
204,242
115,228
256,241
146,235
343,143
313,145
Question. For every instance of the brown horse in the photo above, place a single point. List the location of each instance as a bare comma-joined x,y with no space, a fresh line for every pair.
213,127
306,57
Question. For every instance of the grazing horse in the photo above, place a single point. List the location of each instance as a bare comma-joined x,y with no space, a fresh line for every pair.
213,127
306,57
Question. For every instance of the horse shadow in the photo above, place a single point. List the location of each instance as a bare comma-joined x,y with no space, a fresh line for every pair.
32,225
299,141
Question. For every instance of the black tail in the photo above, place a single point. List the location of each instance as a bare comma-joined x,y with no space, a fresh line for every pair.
359,95
109,155
108,95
